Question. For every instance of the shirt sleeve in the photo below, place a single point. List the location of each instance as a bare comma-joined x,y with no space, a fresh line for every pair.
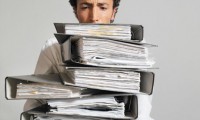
48,62
50,58
144,107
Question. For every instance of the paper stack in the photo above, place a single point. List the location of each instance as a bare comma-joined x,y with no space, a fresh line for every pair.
119,80
105,69
107,107
99,30
45,91
109,53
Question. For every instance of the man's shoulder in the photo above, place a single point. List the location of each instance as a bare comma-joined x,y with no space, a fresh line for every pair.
51,43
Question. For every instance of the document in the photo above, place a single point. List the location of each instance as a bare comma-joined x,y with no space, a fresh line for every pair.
107,107
99,30
118,80
108,53
41,90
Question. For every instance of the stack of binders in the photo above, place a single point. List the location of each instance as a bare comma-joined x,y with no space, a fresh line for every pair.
106,66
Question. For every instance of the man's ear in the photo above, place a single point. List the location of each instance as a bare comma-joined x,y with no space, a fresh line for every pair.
114,14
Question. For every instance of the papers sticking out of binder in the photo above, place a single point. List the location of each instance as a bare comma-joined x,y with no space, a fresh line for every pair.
109,79
43,90
107,107
105,52
101,108
112,31
39,87
119,80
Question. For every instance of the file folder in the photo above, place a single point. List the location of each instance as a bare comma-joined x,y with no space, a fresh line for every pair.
53,79
136,30
72,53
131,111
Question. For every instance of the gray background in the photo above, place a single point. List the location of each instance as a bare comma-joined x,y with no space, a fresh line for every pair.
174,25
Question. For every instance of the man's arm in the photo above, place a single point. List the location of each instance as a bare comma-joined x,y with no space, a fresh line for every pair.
48,62
50,58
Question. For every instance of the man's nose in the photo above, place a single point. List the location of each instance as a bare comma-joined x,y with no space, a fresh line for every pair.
94,15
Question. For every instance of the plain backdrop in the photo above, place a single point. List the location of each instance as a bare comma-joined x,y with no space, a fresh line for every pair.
174,25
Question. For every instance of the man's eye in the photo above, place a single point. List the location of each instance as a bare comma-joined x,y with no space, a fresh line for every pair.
84,7
103,8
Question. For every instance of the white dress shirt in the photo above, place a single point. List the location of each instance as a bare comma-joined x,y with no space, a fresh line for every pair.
49,62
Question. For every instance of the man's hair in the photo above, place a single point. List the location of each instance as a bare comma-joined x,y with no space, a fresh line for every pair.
74,3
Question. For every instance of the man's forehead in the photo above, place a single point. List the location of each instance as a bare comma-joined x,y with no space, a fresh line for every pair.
108,2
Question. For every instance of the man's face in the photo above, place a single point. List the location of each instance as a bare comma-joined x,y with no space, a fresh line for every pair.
95,11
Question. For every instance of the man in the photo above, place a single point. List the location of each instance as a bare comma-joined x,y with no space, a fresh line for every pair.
95,11
86,11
